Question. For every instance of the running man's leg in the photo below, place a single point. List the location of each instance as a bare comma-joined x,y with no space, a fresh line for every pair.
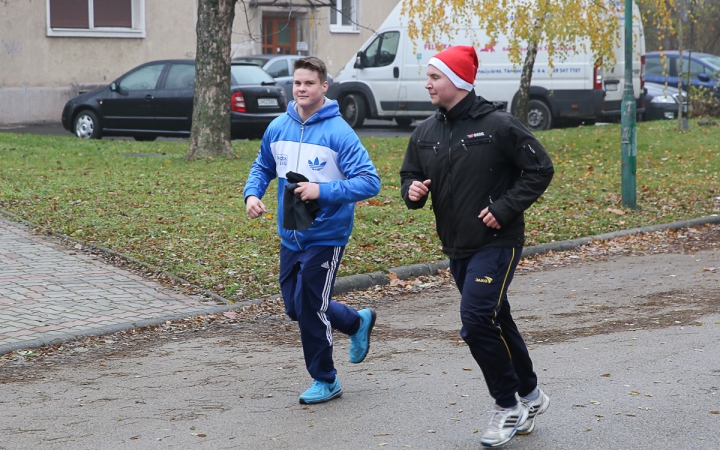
317,314
483,280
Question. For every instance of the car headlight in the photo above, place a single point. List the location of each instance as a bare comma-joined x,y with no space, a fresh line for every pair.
663,99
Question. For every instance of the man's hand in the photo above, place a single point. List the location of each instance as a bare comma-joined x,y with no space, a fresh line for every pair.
489,219
418,190
308,191
254,207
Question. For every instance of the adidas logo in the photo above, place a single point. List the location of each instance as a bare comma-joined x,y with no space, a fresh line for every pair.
325,265
316,165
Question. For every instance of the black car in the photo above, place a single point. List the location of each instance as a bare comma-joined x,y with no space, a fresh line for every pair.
156,99
661,102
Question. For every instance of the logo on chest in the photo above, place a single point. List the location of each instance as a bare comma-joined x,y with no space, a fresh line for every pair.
282,160
316,165
470,136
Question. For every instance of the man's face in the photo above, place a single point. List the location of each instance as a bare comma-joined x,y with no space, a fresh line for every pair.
308,91
443,92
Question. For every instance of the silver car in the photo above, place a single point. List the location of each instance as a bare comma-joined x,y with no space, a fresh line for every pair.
279,67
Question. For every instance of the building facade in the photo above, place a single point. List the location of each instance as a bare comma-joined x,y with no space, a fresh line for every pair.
52,50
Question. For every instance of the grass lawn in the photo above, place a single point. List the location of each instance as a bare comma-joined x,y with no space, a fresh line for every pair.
188,217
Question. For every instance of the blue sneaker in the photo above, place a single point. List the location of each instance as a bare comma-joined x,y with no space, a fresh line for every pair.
360,341
321,392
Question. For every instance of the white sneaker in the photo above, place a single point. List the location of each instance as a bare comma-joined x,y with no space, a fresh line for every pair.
538,406
503,424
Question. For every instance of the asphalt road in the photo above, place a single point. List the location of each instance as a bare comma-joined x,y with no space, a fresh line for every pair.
376,128
626,348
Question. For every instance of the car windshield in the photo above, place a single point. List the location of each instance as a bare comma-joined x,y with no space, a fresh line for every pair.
244,74
259,61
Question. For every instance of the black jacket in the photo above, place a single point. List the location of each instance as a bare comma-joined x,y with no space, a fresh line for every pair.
476,155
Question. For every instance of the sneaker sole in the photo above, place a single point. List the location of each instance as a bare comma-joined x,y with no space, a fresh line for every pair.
373,316
529,430
323,400
498,444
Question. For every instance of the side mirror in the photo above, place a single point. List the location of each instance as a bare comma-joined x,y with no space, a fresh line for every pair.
116,88
359,60
703,77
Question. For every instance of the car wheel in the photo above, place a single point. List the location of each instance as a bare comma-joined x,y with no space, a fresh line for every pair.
539,117
87,125
353,110
145,138
403,122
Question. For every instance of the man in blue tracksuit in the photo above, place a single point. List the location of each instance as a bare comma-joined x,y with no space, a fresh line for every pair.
312,142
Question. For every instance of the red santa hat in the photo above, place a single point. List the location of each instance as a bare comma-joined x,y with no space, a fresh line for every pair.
458,63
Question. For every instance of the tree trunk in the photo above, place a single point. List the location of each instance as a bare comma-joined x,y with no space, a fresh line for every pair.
521,109
210,132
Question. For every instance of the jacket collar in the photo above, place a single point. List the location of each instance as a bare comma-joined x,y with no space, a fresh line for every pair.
471,105
329,109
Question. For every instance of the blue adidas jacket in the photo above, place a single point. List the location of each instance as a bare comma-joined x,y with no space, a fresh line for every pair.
328,152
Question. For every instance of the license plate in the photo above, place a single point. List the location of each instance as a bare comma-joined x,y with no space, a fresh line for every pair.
611,87
267,102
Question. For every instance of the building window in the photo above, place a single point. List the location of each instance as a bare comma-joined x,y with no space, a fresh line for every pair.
96,18
343,17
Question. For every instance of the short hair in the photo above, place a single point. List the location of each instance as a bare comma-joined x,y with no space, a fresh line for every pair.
314,64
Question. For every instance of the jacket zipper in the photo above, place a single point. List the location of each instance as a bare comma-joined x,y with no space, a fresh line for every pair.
297,165
535,157
452,206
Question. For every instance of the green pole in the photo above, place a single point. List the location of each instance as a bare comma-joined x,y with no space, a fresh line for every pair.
629,138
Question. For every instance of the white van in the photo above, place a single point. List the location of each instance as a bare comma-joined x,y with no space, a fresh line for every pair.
386,80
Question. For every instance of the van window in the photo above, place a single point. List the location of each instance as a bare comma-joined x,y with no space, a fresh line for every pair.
382,51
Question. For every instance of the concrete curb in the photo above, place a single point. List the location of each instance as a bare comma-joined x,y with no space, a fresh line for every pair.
100,331
363,281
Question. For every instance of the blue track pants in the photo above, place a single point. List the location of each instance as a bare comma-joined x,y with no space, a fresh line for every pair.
307,279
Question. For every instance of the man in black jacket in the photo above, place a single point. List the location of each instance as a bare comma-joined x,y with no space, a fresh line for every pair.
483,169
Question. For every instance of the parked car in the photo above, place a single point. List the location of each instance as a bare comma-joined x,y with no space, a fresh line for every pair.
704,69
661,102
156,99
279,67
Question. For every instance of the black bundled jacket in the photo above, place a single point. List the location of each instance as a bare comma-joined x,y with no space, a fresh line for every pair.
476,155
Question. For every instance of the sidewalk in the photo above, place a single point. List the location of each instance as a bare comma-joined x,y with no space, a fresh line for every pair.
50,294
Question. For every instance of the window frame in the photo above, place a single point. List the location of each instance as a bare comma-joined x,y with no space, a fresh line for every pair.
137,31
339,27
